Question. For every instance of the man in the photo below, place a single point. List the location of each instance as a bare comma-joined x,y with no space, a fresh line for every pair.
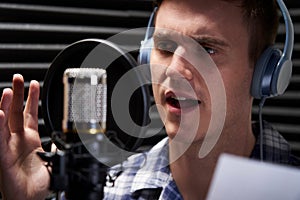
233,33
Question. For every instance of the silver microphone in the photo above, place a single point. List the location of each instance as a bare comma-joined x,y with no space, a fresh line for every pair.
85,100
84,123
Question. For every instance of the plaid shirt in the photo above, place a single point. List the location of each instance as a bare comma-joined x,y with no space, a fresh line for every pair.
147,175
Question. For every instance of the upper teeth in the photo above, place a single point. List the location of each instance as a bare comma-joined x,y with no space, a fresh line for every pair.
180,98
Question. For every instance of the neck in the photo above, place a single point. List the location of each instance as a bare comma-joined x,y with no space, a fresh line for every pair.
192,174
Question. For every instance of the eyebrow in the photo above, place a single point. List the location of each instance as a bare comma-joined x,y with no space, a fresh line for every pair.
205,39
210,40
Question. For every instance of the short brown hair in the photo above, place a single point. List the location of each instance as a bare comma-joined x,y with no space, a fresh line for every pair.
262,20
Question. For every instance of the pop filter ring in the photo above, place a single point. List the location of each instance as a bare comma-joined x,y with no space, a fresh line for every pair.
72,57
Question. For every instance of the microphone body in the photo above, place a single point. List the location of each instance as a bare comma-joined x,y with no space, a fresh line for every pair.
85,100
83,125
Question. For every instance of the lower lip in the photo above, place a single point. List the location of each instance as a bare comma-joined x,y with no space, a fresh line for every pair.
174,110
179,111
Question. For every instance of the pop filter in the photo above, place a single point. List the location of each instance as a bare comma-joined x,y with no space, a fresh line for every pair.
99,53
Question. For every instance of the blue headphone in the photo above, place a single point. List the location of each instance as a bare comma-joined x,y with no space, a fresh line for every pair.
147,43
273,69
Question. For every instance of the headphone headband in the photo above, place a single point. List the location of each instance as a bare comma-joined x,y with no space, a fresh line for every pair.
289,37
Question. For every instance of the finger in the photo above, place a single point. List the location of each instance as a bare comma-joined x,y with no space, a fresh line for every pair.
16,109
6,100
5,103
31,108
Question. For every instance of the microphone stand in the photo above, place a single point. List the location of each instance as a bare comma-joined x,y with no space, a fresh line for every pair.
74,170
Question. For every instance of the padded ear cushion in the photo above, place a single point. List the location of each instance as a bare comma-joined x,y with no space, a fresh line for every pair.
263,73
282,76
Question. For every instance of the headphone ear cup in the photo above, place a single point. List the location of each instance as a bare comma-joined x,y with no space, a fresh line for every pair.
145,51
264,72
281,76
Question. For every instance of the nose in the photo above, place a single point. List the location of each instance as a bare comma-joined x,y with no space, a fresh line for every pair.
179,66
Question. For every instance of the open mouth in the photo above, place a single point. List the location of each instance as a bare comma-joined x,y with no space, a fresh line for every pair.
181,102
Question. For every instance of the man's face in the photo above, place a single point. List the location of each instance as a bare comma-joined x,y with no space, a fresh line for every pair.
180,80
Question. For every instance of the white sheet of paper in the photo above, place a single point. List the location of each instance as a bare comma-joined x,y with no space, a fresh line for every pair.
239,178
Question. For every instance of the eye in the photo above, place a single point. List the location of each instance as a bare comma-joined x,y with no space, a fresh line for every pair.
209,50
166,46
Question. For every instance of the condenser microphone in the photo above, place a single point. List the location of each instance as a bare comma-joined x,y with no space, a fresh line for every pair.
84,120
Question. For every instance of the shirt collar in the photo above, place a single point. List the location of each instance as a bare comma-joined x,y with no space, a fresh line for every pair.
155,172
